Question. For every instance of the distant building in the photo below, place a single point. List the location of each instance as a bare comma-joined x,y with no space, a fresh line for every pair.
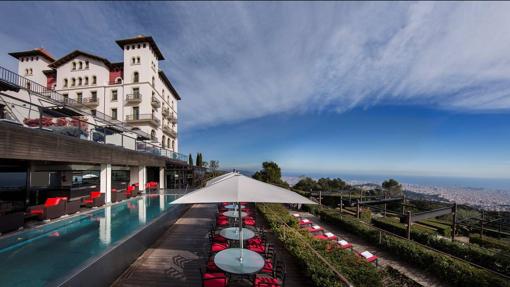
134,91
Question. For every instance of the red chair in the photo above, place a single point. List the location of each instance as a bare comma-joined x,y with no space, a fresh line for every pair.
369,257
305,222
217,247
326,236
52,208
211,266
95,199
344,244
259,248
130,191
314,229
276,280
213,279
151,185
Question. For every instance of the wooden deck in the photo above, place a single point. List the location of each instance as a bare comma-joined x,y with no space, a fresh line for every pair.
174,260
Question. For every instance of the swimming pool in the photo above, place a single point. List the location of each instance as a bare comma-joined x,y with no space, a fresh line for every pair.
43,256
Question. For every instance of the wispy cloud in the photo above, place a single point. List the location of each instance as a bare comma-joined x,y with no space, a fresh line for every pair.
238,61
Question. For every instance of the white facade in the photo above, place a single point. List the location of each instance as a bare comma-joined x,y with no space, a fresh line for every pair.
133,91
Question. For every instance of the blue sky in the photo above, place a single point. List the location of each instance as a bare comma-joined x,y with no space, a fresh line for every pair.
369,88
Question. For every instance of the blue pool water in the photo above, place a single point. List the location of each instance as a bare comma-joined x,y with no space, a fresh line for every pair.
41,256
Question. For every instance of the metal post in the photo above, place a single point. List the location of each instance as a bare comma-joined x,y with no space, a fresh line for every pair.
481,224
454,221
409,225
357,209
320,198
403,204
342,204
385,210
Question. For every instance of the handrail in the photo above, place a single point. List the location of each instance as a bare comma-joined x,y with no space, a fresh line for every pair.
324,260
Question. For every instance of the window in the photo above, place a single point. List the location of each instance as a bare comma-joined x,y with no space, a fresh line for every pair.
65,83
79,97
26,71
136,113
80,81
153,81
144,45
86,81
153,134
135,77
66,97
114,114
93,96
138,46
118,80
138,60
93,112
94,80
168,142
127,47
133,60
80,65
29,86
136,92
74,66
163,142
173,144
86,64
31,72
114,95
73,82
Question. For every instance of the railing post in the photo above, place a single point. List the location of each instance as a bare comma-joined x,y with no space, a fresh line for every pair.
454,221
409,225
481,224
357,209
341,204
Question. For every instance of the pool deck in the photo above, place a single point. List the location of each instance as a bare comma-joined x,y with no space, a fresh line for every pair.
175,258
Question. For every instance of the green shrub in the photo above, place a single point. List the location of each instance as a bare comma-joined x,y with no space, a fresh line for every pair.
443,229
490,242
357,271
453,271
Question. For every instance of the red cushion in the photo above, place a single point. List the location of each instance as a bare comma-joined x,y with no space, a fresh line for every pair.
130,188
211,266
257,248
221,222
255,240
36,211
52,201
266,282
268,267
214,280
88,201
217,247
95,194
219,239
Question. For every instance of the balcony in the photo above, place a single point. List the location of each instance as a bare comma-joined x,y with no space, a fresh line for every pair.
90,102
170,131
143,118
133,98
172,119
155,103
165,112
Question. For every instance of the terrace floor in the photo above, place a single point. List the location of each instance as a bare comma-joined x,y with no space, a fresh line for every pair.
174,259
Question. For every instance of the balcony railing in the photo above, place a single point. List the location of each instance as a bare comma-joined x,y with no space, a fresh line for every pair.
143,118
155,102
165,112
173,119
133,98
170,131
13,82
92,101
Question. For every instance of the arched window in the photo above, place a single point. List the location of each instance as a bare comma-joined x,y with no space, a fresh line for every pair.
153,81
118,80
163,142
31,71
94,80
133,60
26,71
74,65
65,83
73,82
80,65
135,77
138,60
153,134
86,64
168,142
86,81
80,82
173,144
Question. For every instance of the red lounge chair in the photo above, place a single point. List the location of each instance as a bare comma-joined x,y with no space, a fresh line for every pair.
217,247
130,191
72,206
326,236
369,257
53,207
315,228
305,222
259,248
151,185
277,280
344,244
214,279
95,199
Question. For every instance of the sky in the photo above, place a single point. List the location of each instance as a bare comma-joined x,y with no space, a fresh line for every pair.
418,89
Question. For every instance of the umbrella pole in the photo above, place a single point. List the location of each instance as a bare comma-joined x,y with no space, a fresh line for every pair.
241,243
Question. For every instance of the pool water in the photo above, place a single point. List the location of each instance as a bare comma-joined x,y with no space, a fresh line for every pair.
43,255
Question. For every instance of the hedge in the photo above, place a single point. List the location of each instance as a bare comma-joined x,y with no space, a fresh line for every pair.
357,271
453,271
473,253
442,228
490,242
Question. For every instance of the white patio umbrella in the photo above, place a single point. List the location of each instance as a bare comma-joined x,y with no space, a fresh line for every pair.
235,187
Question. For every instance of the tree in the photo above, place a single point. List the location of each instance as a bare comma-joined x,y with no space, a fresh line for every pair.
270,173
199,159
393,188
190,160
205,164
306,184
214,165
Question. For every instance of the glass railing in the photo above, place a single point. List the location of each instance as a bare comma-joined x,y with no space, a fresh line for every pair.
98,128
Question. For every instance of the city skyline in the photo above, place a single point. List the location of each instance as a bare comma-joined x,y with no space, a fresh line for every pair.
407,89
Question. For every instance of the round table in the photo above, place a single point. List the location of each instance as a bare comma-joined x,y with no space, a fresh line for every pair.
228,260
232,233
234,214
233,206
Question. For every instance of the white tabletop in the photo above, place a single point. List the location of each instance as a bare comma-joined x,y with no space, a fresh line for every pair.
234,214
228,260
232,233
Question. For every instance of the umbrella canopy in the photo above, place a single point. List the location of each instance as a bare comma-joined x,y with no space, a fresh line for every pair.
235,187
